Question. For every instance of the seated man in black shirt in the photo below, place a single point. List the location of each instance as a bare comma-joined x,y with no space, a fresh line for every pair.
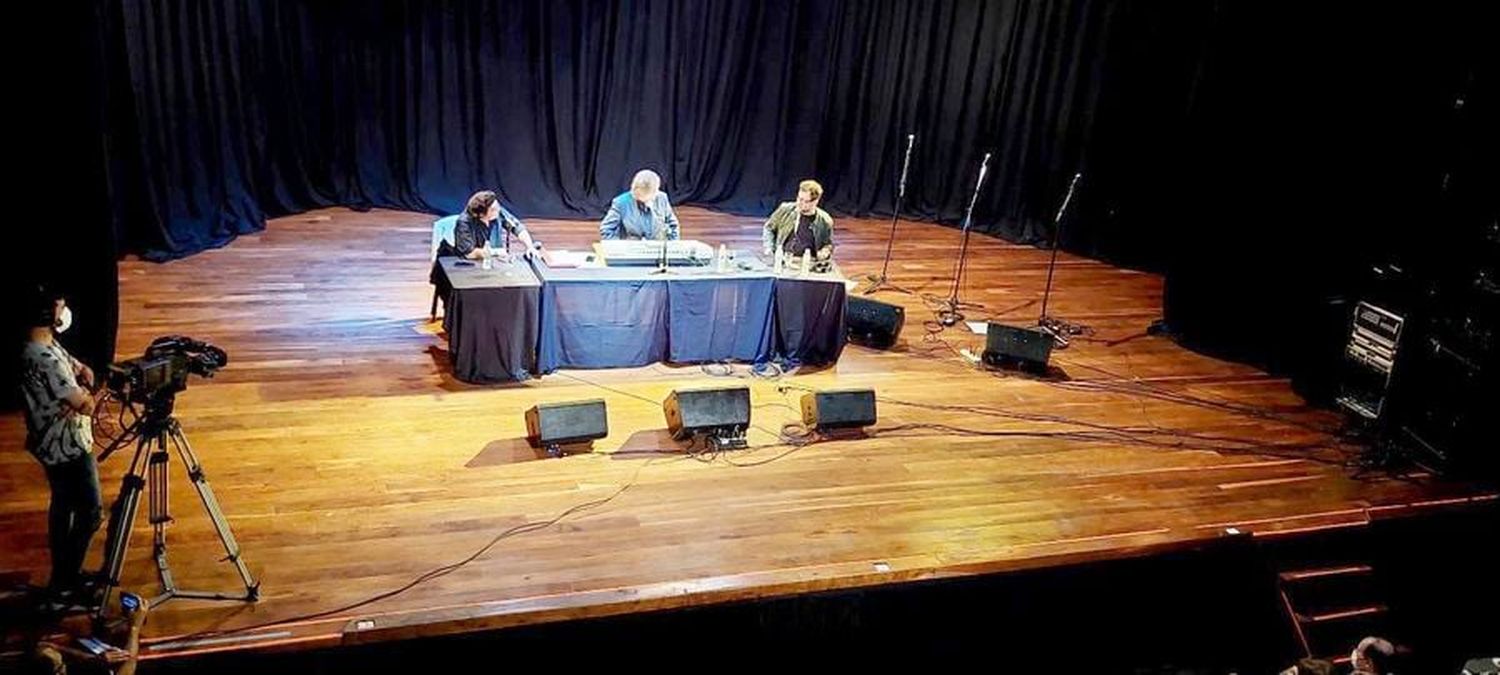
800,226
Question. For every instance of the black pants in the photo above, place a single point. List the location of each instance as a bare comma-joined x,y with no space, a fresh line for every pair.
73,517
439,279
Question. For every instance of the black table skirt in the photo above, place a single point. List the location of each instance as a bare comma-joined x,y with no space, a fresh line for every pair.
492,333
491,319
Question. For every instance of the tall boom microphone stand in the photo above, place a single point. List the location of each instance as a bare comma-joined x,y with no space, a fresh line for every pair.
1060,330
948,314
879,282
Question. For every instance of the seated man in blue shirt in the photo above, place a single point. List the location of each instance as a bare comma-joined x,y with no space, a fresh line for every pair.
642,213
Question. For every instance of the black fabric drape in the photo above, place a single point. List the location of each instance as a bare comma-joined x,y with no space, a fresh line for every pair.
225,112
1259,154
1321,147
58,231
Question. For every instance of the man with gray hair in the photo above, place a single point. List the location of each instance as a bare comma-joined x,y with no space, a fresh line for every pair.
644,212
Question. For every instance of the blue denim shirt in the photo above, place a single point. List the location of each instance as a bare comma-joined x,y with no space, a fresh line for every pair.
629,219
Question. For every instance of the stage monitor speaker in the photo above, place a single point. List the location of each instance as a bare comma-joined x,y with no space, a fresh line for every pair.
723,413
838,408
1021,348
873,323
553,424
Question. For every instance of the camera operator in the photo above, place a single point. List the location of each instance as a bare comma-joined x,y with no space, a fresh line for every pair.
59,433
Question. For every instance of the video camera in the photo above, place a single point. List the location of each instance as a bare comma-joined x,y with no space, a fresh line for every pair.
162,371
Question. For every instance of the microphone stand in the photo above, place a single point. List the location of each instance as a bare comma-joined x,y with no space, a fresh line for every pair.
1060,330
661,263
510,223
948,313
879,282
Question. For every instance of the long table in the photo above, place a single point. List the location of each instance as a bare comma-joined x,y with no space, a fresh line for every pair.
615,317
612,317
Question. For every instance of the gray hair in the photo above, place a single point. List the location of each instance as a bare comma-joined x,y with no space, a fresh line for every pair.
646,178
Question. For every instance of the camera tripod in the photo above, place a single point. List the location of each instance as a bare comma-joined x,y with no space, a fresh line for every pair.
154,432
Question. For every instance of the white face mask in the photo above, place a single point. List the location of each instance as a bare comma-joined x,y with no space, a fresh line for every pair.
64,320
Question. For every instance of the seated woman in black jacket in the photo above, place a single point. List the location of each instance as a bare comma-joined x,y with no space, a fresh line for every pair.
471,236
471,239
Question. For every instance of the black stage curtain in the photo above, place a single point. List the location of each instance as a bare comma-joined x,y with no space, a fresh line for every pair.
1258,153
226,112
1324,142
58,231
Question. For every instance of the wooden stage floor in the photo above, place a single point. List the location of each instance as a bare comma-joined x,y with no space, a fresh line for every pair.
350,462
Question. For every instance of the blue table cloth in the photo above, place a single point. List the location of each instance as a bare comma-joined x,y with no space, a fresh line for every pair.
622,317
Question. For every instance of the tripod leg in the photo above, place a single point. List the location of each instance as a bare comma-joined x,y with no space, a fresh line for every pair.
121,522
211,505
160,480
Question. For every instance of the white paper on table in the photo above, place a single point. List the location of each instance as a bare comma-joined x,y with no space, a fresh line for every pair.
979,327
560,258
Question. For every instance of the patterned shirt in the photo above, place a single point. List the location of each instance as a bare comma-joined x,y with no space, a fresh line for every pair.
55,433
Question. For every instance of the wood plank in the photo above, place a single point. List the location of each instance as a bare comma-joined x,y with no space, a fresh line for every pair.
349,460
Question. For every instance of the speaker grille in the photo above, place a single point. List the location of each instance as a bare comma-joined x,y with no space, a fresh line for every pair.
873,323
570,422
691,411
1013,347
839,408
